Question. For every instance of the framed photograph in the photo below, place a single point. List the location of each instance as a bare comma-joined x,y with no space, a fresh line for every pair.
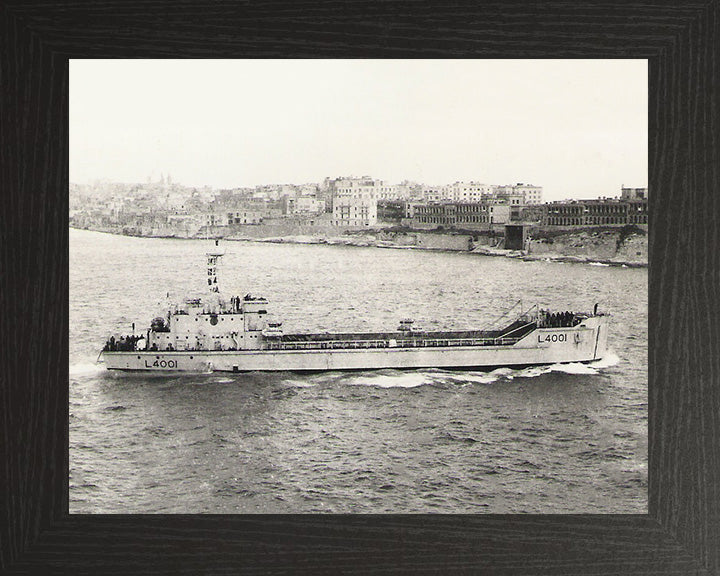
353,344
110,473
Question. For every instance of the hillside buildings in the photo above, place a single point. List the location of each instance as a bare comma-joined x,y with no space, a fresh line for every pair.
166,208
354,202
509,205
468,192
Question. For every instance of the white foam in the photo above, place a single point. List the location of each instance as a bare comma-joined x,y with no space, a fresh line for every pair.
404,380
573,368
533,371
508,373
610,359
481,378
85,368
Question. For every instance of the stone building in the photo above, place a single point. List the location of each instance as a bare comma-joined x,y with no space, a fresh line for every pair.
245,216
465,191
600,212
527,194
634,193
465,215
354,201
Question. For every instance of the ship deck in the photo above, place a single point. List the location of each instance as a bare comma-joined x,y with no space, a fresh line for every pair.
350,340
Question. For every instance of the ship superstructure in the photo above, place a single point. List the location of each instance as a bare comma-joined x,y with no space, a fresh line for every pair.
235,334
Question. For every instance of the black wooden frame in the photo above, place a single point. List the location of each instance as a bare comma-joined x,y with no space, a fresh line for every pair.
681,533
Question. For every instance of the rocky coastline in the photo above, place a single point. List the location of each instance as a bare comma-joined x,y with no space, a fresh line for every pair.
613,247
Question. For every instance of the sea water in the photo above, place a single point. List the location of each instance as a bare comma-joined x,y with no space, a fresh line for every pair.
555,439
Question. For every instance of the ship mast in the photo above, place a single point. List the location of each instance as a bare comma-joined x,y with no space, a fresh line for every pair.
213,257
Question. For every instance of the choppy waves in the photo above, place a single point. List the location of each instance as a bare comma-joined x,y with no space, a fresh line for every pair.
416,378
565,438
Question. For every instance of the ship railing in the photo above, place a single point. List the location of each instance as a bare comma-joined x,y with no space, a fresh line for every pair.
397,343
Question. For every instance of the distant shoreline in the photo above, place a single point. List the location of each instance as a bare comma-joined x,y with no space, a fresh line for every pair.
363,242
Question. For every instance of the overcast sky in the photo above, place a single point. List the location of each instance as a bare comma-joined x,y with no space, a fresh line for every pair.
576,127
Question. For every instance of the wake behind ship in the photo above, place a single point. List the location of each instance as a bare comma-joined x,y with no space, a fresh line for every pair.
234,334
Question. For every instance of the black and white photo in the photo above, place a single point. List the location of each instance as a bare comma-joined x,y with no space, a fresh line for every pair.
358,286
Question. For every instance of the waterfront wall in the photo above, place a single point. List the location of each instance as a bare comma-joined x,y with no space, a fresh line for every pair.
426,240
279,231
613,245
444,241
600,245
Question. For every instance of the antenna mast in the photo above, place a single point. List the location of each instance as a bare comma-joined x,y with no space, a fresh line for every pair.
213,257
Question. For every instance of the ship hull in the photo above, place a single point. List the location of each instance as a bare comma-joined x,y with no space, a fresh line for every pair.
583,343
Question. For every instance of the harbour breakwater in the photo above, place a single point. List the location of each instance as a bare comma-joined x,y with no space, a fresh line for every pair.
627,246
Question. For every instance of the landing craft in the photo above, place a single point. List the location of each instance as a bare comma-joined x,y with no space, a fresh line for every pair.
234,334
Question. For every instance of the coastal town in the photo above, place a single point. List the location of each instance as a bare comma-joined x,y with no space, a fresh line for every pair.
502,219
